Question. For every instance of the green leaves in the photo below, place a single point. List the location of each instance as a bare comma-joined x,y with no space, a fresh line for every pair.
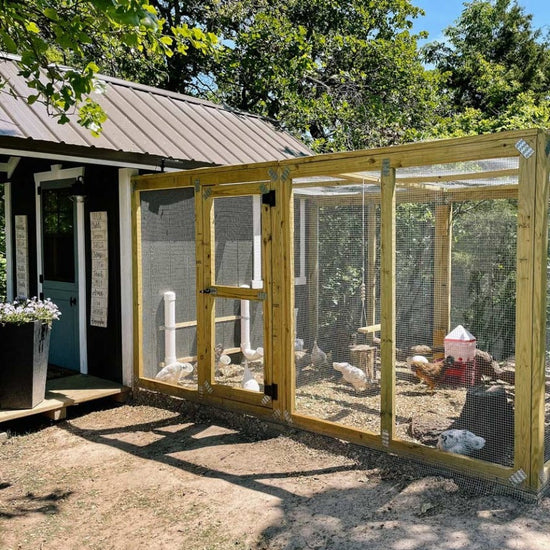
48,34
495,68
341,75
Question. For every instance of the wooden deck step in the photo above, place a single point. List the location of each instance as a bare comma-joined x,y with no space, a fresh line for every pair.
66,391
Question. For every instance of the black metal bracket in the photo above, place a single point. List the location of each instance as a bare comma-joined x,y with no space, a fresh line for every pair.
272,390
269,198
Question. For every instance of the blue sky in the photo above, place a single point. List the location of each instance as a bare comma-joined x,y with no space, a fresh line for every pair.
442,13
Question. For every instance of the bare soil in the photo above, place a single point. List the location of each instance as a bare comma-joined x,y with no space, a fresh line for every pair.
160,473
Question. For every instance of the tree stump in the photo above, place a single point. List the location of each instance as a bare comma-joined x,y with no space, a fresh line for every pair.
488,413
362,356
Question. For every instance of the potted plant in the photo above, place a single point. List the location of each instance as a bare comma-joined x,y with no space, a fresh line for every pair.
25,327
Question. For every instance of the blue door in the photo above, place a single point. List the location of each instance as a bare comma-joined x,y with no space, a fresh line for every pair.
60,270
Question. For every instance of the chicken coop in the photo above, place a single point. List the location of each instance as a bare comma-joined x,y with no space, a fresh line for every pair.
395,297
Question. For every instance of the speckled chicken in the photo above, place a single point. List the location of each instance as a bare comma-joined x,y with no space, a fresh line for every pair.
462,442
356,377
431,373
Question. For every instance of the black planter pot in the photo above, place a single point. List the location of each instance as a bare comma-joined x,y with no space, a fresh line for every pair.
23,364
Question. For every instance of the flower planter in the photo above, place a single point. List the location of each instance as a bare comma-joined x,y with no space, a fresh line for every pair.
23,364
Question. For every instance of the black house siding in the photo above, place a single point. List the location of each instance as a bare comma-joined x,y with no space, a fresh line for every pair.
101,183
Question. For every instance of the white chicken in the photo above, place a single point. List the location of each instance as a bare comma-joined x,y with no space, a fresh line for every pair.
356,377
249,382
171,373
318,356
461,442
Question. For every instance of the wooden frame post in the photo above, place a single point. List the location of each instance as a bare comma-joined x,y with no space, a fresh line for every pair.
442,273
282,272
204,239
531,312
313,271
371,269
136,286
387,317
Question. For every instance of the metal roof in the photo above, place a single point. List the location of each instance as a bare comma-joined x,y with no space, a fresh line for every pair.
144,123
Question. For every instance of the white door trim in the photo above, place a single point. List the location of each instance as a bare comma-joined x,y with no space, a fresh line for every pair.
9,248
57,173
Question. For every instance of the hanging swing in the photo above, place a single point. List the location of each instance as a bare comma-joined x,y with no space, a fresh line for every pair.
363,355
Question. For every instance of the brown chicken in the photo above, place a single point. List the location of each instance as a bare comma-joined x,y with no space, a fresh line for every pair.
431,373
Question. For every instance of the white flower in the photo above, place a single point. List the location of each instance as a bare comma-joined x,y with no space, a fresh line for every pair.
24,310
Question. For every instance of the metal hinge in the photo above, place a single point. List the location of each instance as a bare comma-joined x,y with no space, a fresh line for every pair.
41,278
272,390
39,190
269,198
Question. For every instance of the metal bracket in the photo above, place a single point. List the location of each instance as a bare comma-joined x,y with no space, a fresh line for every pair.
197,184
385,438
273,174
386,167
524,148
269,198
272,390
206,192
262,295
518,477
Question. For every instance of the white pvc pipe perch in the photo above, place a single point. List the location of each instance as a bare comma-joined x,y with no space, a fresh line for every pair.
248,352
173,371
257,281
169,327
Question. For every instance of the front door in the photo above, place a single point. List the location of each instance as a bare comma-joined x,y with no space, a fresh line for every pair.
60,269
235,292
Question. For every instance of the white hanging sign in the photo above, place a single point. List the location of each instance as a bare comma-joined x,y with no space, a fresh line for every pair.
21,256
100,269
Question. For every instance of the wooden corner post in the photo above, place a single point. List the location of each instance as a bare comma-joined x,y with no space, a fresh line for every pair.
387,302
531,309
282,273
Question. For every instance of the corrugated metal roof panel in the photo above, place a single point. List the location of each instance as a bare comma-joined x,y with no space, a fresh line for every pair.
149,121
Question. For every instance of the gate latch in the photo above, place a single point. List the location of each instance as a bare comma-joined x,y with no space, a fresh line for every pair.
209,290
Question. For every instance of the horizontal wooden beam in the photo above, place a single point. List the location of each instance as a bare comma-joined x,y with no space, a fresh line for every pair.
501,145
489,174
370,329
188,324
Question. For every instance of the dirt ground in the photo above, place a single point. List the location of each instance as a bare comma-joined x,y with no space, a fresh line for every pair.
159,473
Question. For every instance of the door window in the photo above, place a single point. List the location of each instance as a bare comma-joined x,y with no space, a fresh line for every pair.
58,234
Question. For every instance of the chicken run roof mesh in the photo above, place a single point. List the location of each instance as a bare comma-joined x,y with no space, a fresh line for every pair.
436,177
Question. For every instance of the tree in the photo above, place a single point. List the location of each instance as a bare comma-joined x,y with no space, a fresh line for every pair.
340,75
343,75
495,70
88,35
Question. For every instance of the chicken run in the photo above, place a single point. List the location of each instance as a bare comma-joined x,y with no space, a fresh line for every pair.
394,297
